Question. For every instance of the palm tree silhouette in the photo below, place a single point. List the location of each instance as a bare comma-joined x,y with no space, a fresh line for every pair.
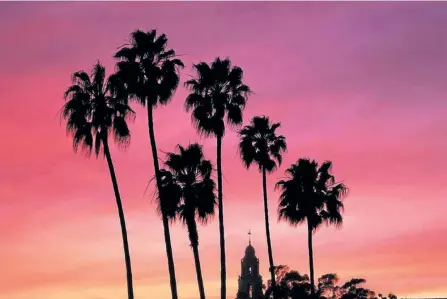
311,194
188,181
216,92
260,144
151,74
94,109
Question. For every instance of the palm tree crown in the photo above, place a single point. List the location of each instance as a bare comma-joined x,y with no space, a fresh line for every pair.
150,70
216,91
260,144
95,108
311,193
188,179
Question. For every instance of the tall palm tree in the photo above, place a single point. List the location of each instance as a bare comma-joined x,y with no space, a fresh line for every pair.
151,73
217,91
259,144
96,108
311,194
189,183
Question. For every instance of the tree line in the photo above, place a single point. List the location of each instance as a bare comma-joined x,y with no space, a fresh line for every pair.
98,108
293,285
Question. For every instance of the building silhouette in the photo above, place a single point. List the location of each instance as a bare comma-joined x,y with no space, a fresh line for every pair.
249,282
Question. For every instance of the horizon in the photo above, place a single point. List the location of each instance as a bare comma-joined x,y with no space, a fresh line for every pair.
362,84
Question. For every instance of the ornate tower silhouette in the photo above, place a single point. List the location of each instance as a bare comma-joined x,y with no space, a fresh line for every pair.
250,282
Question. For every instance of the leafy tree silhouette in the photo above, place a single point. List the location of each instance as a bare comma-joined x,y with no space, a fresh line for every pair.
259,144
96,108
216,92
327,286
151,74
289,284
292,285
189,184
311,194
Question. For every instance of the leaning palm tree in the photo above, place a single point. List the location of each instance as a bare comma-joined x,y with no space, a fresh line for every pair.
95,109
189,183
311,194
216,92
259,144
151,73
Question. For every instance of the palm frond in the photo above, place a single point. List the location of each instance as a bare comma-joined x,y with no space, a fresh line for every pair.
98,75
235,76
193,100
246,149
121,131
171,195
234,115
203,71
81,78
98,143
83,138
126,54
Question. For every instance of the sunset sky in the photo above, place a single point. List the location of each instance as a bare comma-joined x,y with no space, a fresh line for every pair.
361,84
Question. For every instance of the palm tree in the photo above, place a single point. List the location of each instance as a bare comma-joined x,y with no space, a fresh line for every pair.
259,144
189,183
311,194
95,109
151,74
216,92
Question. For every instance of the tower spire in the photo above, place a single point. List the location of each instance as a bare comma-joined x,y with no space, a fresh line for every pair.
250,282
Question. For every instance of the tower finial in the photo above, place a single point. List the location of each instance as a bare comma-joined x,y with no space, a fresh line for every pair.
249,237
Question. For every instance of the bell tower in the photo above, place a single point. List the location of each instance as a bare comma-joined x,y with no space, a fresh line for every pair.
250,282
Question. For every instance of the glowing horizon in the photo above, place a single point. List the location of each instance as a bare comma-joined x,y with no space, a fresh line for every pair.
360,84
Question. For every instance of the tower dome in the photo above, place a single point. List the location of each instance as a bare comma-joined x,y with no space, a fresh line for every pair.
250,250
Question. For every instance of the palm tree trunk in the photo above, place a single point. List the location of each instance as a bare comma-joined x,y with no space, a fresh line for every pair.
267,231
167,234
311,258
194,238
122,220
195,250
223,269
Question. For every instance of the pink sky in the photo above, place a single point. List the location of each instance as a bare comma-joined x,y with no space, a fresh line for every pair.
361,84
